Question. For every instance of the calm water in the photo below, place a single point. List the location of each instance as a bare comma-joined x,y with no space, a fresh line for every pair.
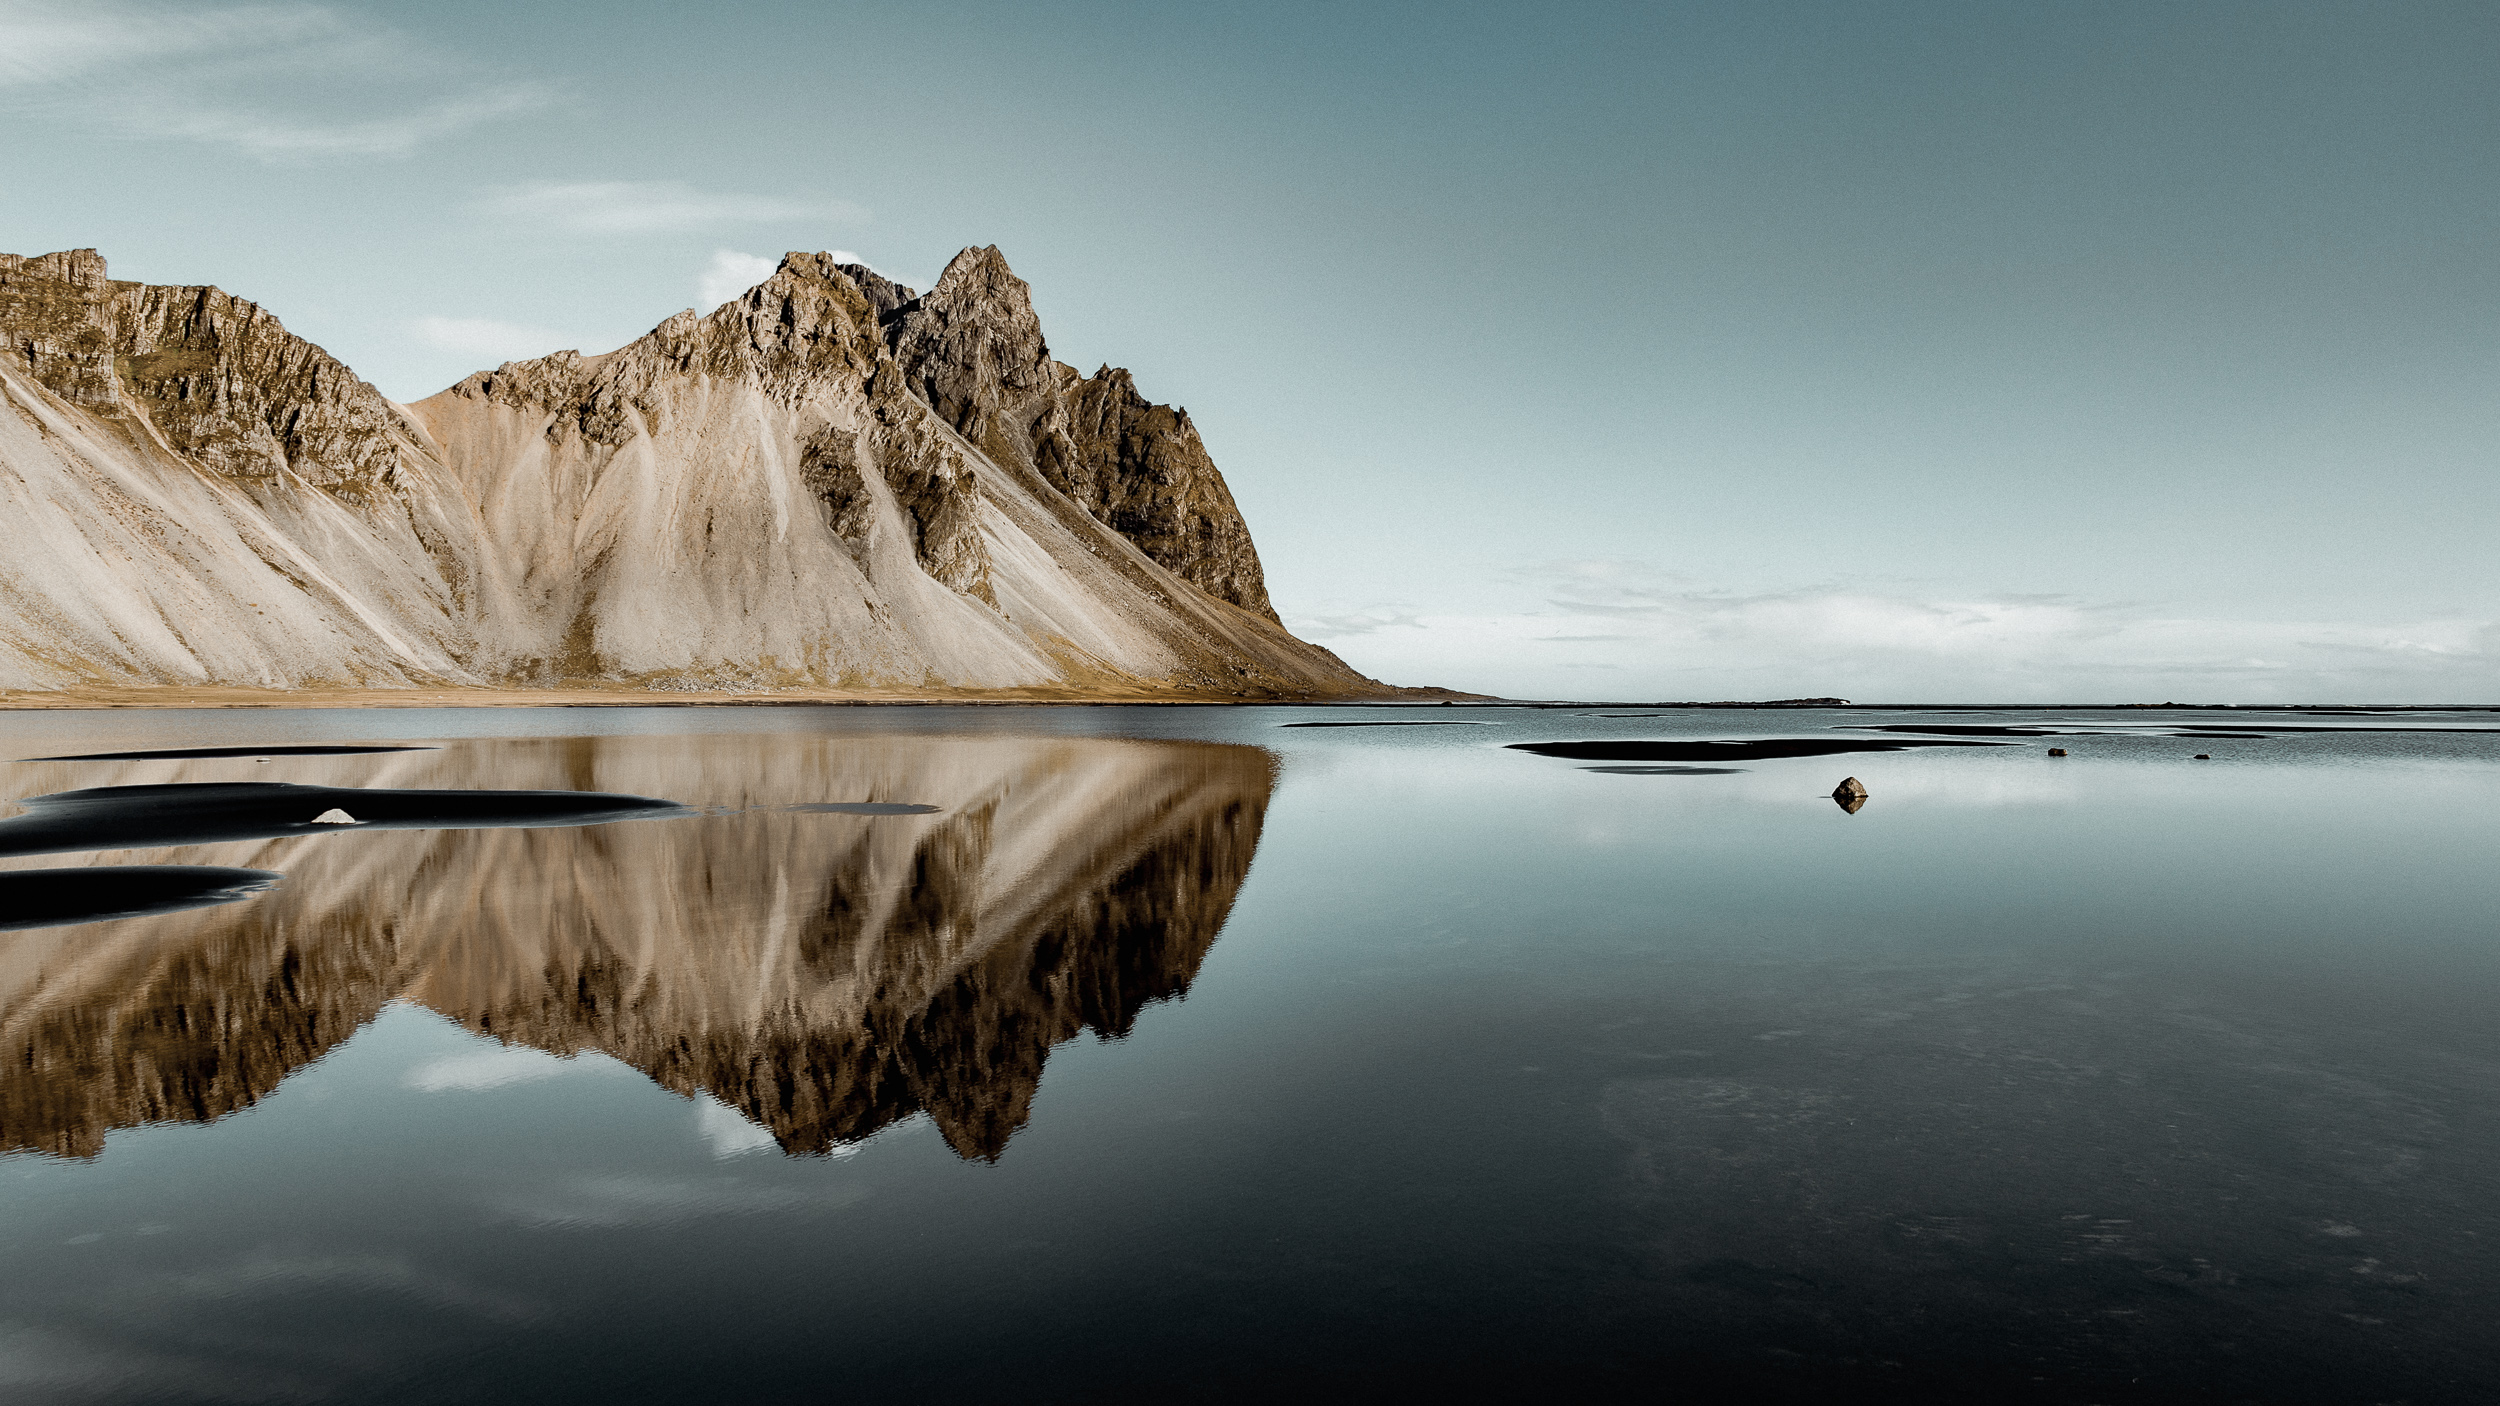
1149,1053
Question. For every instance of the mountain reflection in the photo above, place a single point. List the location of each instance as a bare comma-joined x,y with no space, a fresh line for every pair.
824,973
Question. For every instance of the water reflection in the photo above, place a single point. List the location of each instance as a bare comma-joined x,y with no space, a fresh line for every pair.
816,951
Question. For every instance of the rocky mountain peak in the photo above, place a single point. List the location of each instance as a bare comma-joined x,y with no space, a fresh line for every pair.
80,268
973,349
981,272
807,327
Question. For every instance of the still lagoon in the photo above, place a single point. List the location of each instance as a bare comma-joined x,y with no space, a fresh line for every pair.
1057,1053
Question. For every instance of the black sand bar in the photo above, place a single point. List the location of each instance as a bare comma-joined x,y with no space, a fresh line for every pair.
146,817
52,898
1420,722
1973,730
2272,728
1732,750
178,753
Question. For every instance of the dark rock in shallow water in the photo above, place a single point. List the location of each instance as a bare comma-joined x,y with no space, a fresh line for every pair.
2057,751
1851,794
52,898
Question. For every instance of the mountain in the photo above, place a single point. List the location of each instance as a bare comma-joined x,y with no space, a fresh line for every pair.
832,483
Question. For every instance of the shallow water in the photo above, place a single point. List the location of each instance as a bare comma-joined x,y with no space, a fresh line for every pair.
1058,1053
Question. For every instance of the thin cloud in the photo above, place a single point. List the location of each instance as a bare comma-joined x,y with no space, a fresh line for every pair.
1353,625
1586,607
274,136
730,274
730,1134
275,82
486,339
648,207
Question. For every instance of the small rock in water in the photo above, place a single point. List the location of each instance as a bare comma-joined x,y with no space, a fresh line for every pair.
2203,757
334,816
1850,794
2057,751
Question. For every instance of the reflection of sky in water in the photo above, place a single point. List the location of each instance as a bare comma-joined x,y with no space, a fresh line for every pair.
729,1134
495,1069
1502,1073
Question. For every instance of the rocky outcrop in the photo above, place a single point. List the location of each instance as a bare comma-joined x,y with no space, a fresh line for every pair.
972,349
884,293
831,482
195,495
1140,468
214,378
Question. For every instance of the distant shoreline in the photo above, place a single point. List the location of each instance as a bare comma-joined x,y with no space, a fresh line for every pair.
169,699
76,699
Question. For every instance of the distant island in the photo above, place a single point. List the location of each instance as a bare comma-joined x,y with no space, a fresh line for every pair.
833,486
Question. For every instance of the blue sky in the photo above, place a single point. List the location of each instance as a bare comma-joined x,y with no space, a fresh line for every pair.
1901,352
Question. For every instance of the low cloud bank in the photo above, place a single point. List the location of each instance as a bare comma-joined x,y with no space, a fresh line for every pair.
1621,631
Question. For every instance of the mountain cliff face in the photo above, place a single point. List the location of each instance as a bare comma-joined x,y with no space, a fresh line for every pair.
833,482
1141,469
973,350
196,495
